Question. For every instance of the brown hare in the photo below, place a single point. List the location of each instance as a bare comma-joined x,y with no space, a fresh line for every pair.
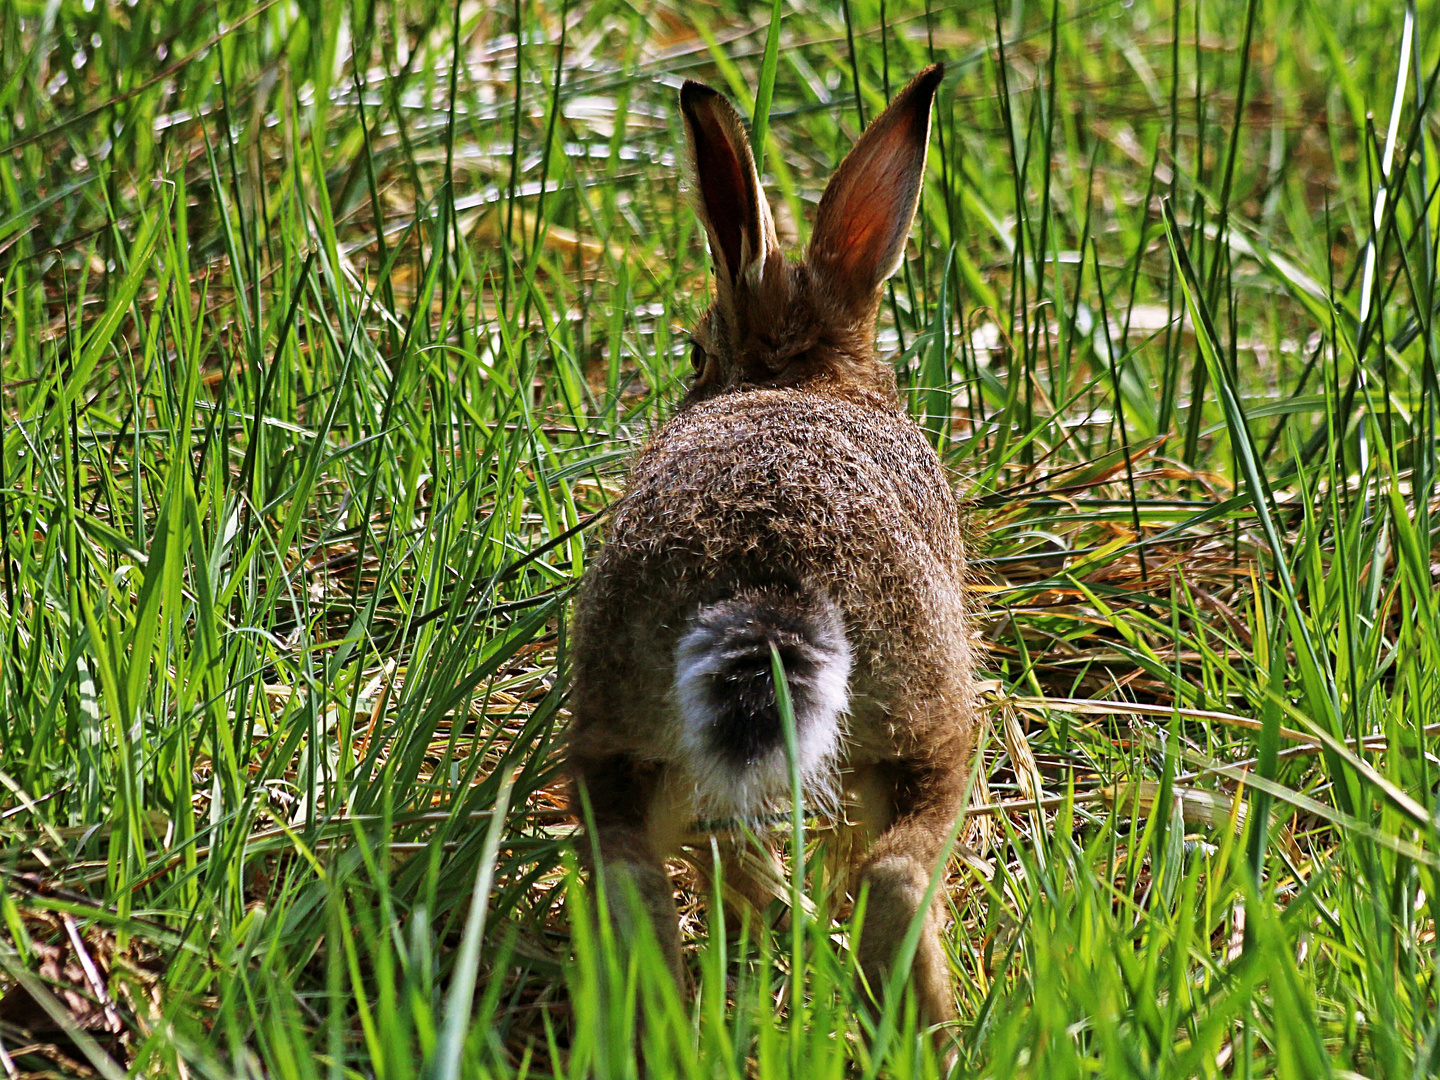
790,502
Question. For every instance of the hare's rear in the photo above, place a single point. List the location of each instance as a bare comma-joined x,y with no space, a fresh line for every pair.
791,502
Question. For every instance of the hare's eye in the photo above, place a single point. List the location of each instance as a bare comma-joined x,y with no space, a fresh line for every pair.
697,357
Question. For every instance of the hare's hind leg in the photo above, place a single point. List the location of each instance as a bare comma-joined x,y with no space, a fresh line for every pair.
909,807
634,834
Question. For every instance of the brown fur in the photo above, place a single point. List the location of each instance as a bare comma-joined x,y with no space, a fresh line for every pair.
791,461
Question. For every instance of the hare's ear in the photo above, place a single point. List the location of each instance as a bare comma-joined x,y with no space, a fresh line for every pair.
730,202
865,214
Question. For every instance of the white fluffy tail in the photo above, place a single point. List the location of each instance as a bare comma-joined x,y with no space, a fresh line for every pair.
732,734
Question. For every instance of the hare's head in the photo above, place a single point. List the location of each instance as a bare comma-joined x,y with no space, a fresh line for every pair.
776,322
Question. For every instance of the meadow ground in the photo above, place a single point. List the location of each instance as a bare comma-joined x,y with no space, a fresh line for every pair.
325,333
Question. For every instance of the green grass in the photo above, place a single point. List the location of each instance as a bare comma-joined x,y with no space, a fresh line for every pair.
325,333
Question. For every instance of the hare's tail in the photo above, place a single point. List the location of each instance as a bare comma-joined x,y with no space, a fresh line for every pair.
733,733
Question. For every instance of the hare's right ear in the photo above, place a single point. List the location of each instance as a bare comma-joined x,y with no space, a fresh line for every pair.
865,214
730,202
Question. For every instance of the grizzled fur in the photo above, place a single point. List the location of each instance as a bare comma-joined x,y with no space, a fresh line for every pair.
790,503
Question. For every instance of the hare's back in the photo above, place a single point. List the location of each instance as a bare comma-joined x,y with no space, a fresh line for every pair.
816,485
771,487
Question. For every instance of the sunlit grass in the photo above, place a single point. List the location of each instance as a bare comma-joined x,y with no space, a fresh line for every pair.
325,334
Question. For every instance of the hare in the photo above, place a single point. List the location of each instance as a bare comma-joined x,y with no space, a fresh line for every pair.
790,502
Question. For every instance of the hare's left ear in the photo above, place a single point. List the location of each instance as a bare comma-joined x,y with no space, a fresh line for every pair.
729,200
866,211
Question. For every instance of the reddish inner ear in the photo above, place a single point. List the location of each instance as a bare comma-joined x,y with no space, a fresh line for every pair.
873,207
866,211
722,187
